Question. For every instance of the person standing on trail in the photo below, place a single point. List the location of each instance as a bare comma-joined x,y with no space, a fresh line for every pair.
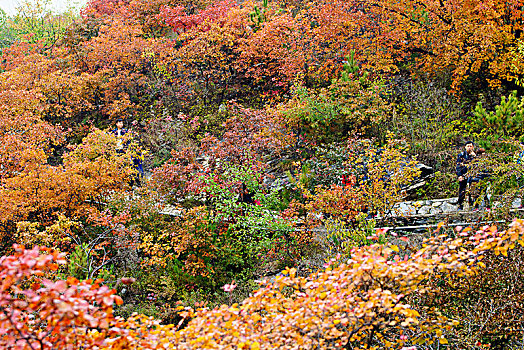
122,144
463,159
119,132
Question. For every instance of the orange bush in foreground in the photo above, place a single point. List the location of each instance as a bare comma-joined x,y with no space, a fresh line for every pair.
374,300
90,173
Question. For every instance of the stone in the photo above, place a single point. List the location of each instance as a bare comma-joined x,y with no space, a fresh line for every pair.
436,204
171,210
402,209
447,207
424,210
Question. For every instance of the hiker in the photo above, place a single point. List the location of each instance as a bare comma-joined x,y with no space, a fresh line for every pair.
122,144
463,159
119,132
465,181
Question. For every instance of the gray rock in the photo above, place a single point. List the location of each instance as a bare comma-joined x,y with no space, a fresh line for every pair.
424,210
171,210
448,207
402,208
436,204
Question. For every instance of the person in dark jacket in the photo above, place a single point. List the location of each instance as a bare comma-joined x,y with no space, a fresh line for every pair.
463,160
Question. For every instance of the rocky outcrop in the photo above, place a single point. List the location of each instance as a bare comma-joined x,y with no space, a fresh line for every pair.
435,207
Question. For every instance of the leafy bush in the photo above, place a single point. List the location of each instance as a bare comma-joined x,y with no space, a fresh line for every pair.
343,238
487,304
353,103
373,180
441,185
377,299
38,313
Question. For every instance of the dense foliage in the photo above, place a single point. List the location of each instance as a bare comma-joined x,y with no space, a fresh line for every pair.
275,137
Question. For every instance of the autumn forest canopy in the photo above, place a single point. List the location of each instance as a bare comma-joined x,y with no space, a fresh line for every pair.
194,174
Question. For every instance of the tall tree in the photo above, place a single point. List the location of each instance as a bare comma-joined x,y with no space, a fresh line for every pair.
476,39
